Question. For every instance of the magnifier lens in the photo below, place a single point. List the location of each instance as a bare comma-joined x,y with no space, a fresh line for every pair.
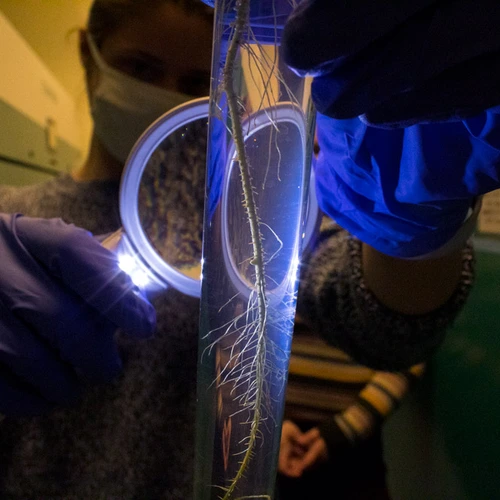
162,201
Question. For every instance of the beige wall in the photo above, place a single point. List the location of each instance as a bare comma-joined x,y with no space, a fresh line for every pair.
49,26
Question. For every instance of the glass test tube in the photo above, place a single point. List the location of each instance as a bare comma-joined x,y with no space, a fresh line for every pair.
258,170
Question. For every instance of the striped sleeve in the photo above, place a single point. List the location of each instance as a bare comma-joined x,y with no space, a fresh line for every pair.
376,401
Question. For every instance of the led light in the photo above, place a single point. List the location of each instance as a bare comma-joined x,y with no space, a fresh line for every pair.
132,267
126,263
139,278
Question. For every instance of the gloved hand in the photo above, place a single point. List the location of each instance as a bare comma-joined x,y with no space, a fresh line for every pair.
62,297
395,63
415,68
407,192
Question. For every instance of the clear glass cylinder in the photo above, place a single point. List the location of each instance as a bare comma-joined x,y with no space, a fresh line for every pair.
259,158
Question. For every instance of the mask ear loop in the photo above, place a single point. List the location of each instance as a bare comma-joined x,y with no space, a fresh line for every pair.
96,55
104,67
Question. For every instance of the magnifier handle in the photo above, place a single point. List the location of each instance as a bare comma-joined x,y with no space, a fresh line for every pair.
112,241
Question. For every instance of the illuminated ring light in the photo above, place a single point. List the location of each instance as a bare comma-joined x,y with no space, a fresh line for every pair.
136,242
281,112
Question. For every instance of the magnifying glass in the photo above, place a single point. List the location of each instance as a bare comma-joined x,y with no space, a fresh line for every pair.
162,197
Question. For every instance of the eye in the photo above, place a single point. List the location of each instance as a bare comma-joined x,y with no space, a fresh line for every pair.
141,68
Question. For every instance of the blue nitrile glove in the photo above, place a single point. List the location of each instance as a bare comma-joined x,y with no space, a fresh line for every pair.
395,63
62,297
407,192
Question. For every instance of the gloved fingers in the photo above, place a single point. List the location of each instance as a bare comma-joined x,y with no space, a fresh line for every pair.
365,80
428,103
63,322
89,346
34,367
407,48
398,64
319,31
76,257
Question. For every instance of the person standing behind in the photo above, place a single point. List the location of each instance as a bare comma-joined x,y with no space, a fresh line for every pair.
335,410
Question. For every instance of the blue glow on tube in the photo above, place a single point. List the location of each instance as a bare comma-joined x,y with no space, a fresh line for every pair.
246,328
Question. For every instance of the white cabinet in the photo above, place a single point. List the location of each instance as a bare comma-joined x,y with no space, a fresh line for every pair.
39,132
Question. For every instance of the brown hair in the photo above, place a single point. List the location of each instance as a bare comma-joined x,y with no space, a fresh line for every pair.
106,15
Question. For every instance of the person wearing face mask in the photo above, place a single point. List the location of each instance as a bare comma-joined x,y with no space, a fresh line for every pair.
123,107
133,78
88,411
133,437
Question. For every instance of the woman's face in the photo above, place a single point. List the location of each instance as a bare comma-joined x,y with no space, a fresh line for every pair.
163,46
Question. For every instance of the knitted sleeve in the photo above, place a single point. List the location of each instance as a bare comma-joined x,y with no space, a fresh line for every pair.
334,299
92,205
378,399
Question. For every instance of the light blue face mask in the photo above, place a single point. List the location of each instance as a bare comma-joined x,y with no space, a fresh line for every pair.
123,107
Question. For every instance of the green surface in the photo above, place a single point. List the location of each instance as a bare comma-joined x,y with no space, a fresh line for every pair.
444,442
467,376
25,156
18,175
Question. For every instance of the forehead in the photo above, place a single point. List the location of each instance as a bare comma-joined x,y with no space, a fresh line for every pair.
166,32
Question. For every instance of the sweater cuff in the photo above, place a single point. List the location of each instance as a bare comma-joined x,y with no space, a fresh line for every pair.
334,437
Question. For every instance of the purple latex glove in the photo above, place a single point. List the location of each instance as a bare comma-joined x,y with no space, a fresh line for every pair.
396,63
62,297
407,192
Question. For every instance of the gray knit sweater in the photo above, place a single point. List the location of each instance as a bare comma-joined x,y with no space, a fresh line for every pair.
134,438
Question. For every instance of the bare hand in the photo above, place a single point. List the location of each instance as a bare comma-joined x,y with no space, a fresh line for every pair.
299,450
